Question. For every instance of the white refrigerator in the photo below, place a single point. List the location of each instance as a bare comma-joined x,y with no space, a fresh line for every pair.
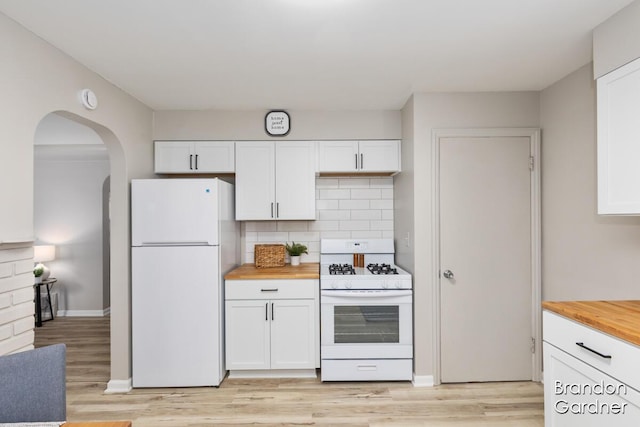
184,239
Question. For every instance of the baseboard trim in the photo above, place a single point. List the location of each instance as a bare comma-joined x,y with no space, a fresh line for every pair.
84,313
423,381
118,386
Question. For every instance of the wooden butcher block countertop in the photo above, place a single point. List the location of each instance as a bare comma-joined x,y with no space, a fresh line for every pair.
620,319
250,272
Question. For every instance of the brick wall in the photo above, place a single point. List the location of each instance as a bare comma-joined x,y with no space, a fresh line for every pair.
16,299
345,208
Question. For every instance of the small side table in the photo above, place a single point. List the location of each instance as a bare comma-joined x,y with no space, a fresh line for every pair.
48,283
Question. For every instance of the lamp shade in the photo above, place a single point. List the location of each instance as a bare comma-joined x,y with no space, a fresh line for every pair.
44,253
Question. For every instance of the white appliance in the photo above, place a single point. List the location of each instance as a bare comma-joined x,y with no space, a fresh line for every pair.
366,312
184,239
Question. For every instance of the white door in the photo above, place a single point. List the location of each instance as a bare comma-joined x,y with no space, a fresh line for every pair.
295,180
293,334
248,344
173,156
379,156
255,180
338,156
214,156
174,212
175,306
485,243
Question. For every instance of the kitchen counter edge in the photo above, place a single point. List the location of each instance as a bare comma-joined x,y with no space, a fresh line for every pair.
309,270
620,319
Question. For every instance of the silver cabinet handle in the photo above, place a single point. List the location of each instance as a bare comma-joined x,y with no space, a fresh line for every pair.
266,311
356,160
273,317
361,161
448,274
271,209
278,210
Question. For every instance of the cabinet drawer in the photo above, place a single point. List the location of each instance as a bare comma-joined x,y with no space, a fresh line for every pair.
565,334
367,370
271,289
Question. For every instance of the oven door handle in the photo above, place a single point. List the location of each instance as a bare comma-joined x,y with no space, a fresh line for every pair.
365,294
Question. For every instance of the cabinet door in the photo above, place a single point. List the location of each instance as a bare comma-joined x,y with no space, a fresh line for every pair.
247,332
255,180
295,180
571,385
173,157
379,156
293,334
338,156
214,156
618,140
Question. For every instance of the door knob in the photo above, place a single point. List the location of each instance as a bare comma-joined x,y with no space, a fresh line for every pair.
448,274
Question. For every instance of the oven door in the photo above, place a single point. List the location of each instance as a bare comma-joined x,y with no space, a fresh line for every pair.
359,324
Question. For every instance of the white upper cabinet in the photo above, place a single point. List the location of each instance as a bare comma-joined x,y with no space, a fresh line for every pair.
373,157
619,141
194,157
275,180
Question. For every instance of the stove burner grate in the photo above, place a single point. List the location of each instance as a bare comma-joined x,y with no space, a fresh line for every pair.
341,269
381,269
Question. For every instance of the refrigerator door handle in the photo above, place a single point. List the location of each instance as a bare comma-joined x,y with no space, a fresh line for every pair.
176,243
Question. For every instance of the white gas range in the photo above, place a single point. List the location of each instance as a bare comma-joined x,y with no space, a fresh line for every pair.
366,309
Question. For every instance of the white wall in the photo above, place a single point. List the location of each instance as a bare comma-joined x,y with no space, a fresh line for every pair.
421,115
35,80
585,256
69,214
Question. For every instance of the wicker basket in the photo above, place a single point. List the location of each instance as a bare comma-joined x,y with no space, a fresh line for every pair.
269,256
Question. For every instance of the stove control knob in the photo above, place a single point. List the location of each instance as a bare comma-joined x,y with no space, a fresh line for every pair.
398,284
385,285
334,285
348,285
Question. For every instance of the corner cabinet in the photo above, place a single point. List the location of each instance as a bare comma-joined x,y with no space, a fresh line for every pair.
372,157
194,157
619,140
591,378
271,327
275,180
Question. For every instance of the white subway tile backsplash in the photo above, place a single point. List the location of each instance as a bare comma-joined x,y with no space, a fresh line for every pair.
339,194
272,236
372,234
304,236
260,226
334,214
346,207
354,183
335,234
385,182
369,193
355,225
365,214
5,300
324,225
354,204
322,183
327,204
292,225
6,332
386,193
382,225
381,204
6,270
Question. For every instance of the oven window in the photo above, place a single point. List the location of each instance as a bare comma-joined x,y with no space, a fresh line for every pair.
366,324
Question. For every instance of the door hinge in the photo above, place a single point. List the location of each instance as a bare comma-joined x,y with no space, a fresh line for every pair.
533,345
531,162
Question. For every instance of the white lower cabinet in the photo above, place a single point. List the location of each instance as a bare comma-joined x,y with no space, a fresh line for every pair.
271,327
585,381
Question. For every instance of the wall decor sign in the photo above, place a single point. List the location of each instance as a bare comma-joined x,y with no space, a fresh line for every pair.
277,123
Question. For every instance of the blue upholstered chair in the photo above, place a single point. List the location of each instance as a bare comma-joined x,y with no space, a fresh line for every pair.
32,385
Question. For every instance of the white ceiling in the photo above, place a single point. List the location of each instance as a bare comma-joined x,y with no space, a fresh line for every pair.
317,54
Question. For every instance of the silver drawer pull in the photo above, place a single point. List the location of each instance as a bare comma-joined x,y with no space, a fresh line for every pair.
604,356
269,290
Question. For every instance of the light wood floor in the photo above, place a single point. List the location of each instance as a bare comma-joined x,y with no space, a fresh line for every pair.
278,402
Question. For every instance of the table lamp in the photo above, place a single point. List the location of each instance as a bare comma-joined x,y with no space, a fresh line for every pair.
44,253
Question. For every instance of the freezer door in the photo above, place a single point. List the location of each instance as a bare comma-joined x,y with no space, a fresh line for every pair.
177,315
174,212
